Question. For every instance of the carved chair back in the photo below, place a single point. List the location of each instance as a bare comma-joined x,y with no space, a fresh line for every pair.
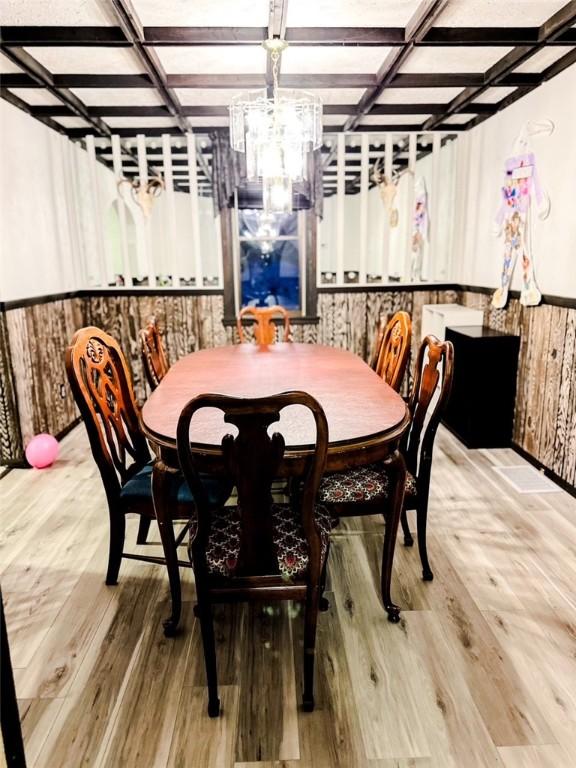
100,381
427,403
265,328
153,354
252,459
377,343
395,350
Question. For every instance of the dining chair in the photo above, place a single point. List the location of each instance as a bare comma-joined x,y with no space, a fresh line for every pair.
265,327
153,353
395,350
377,343
100,382
257,549
367,490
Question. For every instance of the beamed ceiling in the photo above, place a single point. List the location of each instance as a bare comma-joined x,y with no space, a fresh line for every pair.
128,67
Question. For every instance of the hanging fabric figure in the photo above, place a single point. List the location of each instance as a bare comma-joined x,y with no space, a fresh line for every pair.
520,193
420,226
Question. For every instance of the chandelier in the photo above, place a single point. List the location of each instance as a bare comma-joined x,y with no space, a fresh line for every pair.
276,133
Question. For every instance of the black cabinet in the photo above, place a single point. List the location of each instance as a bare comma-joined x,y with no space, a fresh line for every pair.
480,411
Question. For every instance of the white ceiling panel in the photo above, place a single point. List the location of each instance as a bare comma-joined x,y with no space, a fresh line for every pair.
493,95
393,119
196,122
65,13
339,60
212,59
350,13
338,95
37,97
7,67
445,59
72,122
418,95
207,97
458,119
544,58
334,119
498,13
119,97
140,122
99,60
202,13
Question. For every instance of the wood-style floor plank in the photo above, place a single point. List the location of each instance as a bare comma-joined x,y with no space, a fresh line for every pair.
480,672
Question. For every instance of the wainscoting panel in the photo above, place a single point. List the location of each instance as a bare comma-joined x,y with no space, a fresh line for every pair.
34,393
545,416
38,335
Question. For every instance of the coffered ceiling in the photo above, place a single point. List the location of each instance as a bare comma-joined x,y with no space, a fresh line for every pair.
147,66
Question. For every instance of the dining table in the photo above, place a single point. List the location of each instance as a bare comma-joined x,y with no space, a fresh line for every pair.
366,418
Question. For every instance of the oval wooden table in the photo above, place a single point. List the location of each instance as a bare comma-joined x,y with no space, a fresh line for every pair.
366,421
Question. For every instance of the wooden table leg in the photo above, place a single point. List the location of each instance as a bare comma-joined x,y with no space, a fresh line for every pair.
161,497
396,470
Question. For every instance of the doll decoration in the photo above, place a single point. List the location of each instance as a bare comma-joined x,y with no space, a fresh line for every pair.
420,225
520,194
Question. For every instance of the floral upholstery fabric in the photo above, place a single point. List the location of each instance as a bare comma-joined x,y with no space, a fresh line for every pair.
288,539
360,485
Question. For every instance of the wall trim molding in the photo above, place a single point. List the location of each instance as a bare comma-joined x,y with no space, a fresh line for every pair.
87,293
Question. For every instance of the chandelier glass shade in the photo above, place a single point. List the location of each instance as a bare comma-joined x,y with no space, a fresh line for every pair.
276,133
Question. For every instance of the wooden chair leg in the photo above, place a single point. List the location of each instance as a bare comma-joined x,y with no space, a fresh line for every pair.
207,629
143,528
117,535
160,494
397,473
310,622
408,540
323,604
421,522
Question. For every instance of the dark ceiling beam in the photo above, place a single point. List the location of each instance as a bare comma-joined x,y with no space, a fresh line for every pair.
42,77
130,23
552,29
418,80
478,36
554,69
134,32
16,102
130,133
63,36
27,36
416,29
61,110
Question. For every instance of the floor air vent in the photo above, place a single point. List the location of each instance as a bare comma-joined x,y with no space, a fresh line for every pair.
527,479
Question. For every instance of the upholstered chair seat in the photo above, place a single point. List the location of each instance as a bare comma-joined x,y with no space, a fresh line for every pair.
139,487
288,540
368,483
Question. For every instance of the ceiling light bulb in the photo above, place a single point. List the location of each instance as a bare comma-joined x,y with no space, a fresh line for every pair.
203,143
153,145
178,144
401,143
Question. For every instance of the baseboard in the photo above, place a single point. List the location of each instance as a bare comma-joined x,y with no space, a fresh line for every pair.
564,484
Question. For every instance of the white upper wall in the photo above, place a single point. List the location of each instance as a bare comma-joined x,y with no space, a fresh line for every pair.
482,153
47,222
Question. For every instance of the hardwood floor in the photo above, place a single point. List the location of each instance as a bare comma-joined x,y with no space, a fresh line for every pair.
481,670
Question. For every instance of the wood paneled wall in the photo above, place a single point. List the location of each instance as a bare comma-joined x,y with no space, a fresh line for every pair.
34,393
545,416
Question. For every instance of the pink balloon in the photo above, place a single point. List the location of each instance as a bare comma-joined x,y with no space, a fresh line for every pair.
42,451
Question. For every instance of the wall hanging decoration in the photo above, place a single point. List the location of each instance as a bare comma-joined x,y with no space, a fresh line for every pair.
144,194
520,193
388,187
420,226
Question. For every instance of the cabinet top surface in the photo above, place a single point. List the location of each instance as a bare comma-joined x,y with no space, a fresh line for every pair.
478,332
